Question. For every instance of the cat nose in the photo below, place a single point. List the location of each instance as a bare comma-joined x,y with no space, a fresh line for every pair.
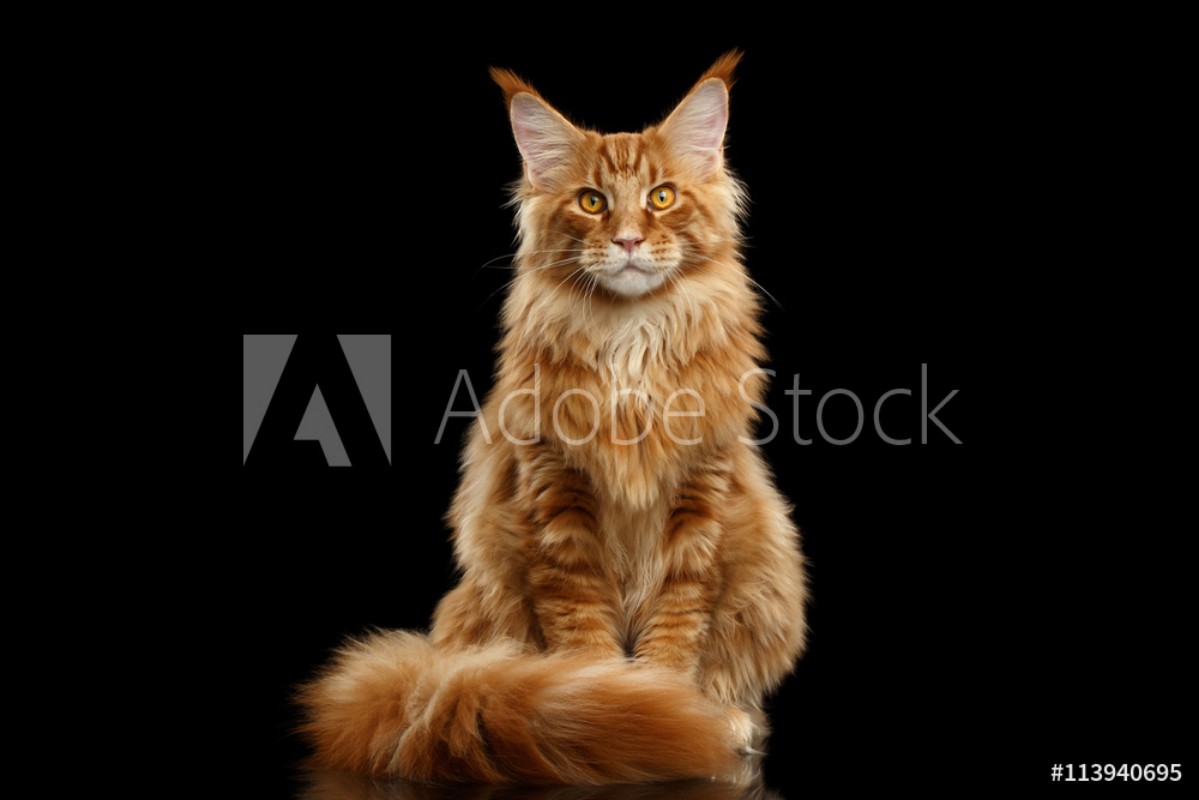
629,243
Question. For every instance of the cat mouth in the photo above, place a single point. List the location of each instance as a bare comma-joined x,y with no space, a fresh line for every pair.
631,280
629,266
632,268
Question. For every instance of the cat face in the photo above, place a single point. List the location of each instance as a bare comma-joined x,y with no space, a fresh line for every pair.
634,218
627,215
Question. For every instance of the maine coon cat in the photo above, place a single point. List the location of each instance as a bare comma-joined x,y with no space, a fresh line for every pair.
631,582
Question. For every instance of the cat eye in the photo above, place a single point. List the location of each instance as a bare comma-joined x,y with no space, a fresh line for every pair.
592,201
662,197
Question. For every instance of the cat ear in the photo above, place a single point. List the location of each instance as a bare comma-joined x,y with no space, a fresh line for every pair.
545,138
695,129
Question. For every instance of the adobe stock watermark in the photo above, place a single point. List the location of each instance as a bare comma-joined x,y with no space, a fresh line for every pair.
316,401
686,404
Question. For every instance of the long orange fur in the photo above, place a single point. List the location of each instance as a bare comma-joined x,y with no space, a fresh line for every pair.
627,599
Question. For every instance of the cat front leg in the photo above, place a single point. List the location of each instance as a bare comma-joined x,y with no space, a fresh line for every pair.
757,625
573,595
674,633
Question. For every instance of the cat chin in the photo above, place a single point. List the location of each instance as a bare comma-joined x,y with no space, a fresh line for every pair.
632,283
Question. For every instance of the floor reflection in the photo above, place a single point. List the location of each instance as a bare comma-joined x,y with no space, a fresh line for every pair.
345,786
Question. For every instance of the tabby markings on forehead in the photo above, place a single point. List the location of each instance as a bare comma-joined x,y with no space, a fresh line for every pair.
622,160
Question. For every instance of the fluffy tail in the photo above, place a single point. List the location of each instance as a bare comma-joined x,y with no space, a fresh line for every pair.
395,705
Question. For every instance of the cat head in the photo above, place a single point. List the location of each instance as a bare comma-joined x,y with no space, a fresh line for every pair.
622,216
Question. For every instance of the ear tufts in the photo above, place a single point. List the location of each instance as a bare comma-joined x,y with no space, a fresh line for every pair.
723,68
512,84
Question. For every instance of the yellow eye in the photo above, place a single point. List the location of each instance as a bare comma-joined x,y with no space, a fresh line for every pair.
592,201
662,197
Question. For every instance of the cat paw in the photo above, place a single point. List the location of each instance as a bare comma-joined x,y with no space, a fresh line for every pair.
746,732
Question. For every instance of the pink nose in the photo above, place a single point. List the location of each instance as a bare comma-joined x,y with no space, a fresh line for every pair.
629,244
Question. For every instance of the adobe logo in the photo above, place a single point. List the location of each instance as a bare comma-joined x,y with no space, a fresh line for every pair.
313,401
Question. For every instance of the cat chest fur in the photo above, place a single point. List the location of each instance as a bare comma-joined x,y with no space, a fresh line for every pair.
635,429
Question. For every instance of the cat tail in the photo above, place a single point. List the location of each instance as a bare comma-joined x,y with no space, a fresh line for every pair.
393,704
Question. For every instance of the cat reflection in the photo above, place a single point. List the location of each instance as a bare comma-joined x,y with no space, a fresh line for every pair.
346,786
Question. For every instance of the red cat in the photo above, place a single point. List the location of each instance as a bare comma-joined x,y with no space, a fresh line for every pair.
632,584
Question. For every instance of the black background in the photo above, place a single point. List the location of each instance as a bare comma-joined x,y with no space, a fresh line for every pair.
980,611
